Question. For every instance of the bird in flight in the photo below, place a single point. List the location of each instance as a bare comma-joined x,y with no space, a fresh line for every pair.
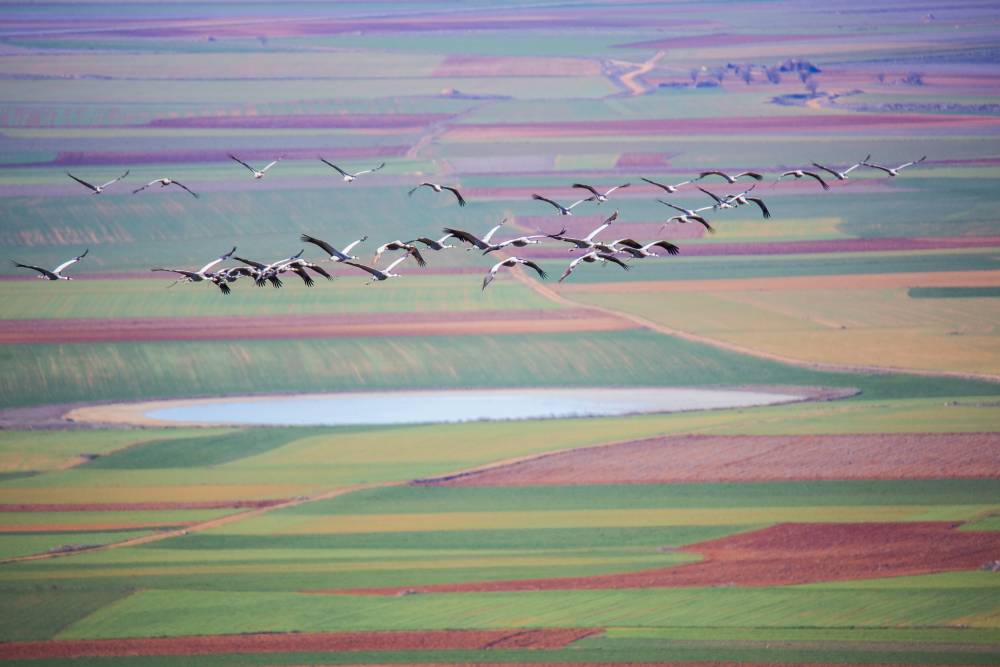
798,173
738,199
399,245
510,262
638,251
433,244
472,239
730,179
842,175
599,197
591,257
164,182
335,255
436,187
201,274
893,171
256,174
97,189
563,210
56,273
587,242
669,188
348,176
380,274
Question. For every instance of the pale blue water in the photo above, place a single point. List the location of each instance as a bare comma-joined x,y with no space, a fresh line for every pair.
426,407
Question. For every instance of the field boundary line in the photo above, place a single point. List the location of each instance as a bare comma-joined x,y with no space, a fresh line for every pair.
551,294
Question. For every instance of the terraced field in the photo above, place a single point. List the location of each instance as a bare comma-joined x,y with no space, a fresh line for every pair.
859,527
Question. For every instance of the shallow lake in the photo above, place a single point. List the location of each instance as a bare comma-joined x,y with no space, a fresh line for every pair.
426,407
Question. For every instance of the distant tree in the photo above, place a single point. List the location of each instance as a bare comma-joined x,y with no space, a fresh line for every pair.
747,74
913,79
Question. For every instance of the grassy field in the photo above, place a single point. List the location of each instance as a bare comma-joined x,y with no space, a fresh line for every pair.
501,99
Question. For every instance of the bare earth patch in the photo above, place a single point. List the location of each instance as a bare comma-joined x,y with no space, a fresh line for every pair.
304,642
752,458
782,555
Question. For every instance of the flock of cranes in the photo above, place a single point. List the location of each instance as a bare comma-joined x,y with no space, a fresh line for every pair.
593,250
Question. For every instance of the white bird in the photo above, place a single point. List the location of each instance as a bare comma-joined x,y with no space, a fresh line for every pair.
600,198
510,262
438,188
563,210
335,255
164,182
842,175
97,189
201,274
519,242
269,272
798,173
894,171
587,242
639,251
380,274
399,245
348,176
738,199
472,239
669,188
730,179
439,244
256,174
589,258
56,273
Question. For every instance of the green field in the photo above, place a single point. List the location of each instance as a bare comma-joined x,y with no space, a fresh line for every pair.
136,531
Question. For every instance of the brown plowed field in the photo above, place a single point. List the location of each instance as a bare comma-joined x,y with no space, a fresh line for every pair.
784,555
304,642
140,507
854,122
313,326
753,458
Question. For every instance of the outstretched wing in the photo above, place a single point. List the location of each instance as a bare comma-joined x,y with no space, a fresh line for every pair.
908,164
713,173
718,200
45,272
752,174
466,237
589,188
458,195
611,218
143,187
319,269
82,182
416,255
190,274
832,172
818,178
186,188
330,164
368,171
541,272
364,267
250,262
271,164
329,249
878,166
233,157
217,260
676,208
617,187
666,245
760,203
115,180
613,259
410,193
547,200
61,267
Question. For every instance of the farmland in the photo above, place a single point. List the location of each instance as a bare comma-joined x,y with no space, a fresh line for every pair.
856,526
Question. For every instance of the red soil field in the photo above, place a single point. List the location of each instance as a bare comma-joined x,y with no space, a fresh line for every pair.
135,507
304,642
752,458
782,555
307,326
359,121
882,122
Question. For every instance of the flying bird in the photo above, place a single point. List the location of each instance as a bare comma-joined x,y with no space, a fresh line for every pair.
439,244
164,182
510,262
97,189
739,199
639,251
591,257
438,188
519,242
380,274
798,173
335,255
669,188
563,210
56,273
587,242
730,179
842,175
600,198
472,239
399,245
348,176
299,266
894,171
256,174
